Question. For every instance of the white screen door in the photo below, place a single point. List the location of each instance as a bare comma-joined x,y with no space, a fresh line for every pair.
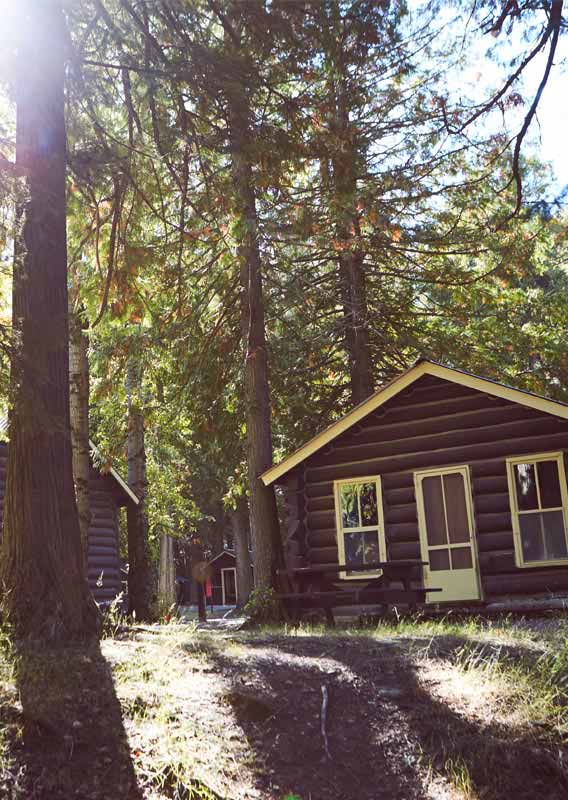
447,542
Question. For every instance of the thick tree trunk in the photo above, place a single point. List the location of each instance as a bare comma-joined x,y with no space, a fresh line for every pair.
45,591
351,261
240,526
355,321
140,579
167,574
79,405
265,529
199,574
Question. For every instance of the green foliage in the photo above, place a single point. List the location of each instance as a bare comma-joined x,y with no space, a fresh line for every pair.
113,617
263,606
350,157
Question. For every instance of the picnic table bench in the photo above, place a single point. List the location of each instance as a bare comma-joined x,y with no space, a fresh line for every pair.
317,586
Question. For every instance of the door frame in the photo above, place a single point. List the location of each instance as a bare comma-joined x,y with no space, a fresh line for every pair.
229,569
464,471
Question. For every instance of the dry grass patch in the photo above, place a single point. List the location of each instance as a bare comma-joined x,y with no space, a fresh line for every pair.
445,710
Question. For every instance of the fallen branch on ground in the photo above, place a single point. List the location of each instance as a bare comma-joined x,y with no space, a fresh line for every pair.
324,704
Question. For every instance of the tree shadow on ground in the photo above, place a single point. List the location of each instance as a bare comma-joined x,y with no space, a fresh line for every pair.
388,734
63,736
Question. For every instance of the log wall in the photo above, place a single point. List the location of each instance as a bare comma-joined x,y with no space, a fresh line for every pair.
434,423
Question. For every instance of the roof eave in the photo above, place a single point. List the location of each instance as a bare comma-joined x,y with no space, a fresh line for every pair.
398,384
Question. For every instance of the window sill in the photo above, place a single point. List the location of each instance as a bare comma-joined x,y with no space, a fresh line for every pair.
361,575
558,562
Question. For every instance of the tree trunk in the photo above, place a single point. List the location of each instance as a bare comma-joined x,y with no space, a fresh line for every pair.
79,405
352,276
240,525
265,529
354,301
167,575
199,574
45,590
140,578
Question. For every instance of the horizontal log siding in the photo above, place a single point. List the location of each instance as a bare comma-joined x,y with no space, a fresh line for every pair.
103,555
437,424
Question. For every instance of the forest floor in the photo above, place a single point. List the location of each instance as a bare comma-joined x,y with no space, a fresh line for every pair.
416,710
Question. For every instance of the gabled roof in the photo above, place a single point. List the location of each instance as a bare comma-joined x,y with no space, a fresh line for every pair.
125,488
389,390
121,482
224,553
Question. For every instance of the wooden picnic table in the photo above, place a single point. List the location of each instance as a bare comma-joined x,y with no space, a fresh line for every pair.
315,586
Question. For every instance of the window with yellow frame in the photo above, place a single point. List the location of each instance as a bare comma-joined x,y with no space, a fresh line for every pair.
359,523
539,509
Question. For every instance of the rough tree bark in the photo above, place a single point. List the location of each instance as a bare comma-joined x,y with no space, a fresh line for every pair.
199,574
240,525
264,525
140,579
167,574
79,405
45,591
344,160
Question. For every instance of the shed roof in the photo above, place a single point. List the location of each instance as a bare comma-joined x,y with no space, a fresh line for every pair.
392,388
224,553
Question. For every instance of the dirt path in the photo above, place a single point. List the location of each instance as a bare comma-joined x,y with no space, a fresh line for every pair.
174,714
399,725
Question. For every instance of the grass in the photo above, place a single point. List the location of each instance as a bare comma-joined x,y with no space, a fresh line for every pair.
163,709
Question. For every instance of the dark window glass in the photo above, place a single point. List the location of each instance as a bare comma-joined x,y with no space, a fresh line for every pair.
553,522
368,500
461,558
361,548
525,480
354,548
434,510
458,523
370,548
549,483
349,506
439,559
543,537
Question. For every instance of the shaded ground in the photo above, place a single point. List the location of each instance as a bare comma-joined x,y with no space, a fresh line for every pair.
413,713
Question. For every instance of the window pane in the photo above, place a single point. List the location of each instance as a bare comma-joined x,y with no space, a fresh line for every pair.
542,536
456,510
349,506
525,480
354,548
371,548
439,559
361,548
461,558
434,510
368,499
553,522
549,483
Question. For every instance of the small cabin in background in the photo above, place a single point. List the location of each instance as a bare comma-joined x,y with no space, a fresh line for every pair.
108,494
223,578
464,473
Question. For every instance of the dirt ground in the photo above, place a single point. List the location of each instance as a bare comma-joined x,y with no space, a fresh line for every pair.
174,713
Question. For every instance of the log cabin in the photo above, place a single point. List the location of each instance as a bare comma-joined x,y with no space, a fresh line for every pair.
223,578
459,471
108,493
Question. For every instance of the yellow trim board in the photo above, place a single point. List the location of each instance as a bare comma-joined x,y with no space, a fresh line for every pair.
397,385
